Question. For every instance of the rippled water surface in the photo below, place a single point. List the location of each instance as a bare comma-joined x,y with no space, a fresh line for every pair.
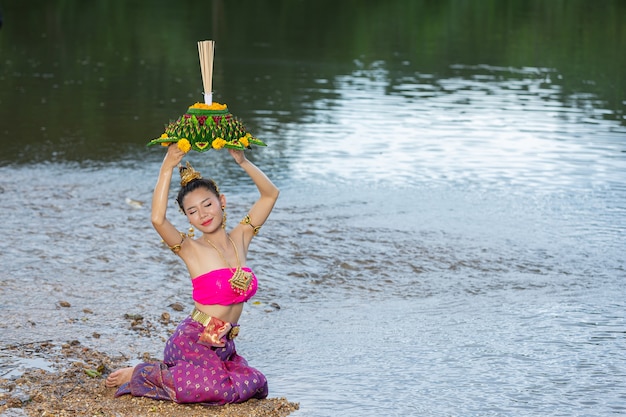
447,242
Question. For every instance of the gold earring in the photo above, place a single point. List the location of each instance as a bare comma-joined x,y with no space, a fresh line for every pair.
223,217
191,232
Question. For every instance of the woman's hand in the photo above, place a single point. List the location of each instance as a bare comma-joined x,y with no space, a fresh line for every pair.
237,155
173,156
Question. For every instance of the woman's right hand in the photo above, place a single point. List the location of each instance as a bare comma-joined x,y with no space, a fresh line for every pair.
173,156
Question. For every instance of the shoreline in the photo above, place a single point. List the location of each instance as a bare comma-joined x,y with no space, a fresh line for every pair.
74,386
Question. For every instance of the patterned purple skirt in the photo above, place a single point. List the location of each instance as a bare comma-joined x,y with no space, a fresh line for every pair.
194,372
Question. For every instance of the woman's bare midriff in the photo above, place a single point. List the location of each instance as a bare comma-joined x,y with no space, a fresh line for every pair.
229,314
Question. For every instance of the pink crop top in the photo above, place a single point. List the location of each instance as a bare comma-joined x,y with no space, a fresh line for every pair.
214,288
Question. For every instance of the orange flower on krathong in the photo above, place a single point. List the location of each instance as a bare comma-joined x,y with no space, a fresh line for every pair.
244,141
212,106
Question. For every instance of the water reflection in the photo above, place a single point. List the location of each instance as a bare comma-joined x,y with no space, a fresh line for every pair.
77,92
476,128
441,174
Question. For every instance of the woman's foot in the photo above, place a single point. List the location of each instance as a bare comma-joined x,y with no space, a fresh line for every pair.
119,377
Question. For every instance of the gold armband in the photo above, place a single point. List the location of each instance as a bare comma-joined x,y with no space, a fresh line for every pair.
176,248
246,220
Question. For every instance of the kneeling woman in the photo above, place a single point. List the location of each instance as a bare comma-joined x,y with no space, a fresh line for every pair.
200,362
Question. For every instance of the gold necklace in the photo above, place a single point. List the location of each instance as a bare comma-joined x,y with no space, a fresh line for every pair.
240,281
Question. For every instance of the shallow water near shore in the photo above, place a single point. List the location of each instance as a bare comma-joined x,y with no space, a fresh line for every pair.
422,310
449,237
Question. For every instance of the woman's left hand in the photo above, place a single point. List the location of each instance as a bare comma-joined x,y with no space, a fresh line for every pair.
237,155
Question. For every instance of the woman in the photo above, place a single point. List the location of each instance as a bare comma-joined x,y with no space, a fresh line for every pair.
200,361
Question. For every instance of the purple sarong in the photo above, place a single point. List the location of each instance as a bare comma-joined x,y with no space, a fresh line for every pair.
193,372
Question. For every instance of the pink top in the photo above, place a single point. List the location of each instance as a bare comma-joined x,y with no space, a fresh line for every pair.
214,288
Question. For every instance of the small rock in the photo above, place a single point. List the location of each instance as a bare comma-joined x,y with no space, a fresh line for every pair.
64,304
177,307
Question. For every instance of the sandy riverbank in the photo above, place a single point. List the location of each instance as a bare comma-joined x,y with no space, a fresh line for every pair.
75,387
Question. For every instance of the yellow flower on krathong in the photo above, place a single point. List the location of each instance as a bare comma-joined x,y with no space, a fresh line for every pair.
184,145
218,143
244,141
164,136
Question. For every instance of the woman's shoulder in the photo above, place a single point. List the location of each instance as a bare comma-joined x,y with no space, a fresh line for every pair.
197,257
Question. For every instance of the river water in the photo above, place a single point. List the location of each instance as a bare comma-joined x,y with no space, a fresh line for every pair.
449,238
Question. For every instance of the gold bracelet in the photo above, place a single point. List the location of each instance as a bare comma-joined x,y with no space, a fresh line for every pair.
246,220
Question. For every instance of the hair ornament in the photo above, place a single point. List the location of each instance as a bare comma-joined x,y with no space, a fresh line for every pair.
188,174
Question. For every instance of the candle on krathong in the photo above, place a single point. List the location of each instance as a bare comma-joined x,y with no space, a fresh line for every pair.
206,52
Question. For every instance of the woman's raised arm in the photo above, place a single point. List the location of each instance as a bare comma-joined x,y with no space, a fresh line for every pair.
170,235
261,209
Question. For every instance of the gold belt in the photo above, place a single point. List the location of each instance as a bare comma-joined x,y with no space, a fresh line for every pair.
200,317
217,325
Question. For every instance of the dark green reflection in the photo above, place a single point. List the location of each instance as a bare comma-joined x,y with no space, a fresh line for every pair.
95,79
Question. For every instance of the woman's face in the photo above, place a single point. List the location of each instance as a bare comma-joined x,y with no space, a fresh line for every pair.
204,209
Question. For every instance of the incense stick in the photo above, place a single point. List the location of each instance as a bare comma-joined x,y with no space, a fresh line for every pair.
205,51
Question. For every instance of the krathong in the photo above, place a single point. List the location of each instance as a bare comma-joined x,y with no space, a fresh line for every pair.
207,125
